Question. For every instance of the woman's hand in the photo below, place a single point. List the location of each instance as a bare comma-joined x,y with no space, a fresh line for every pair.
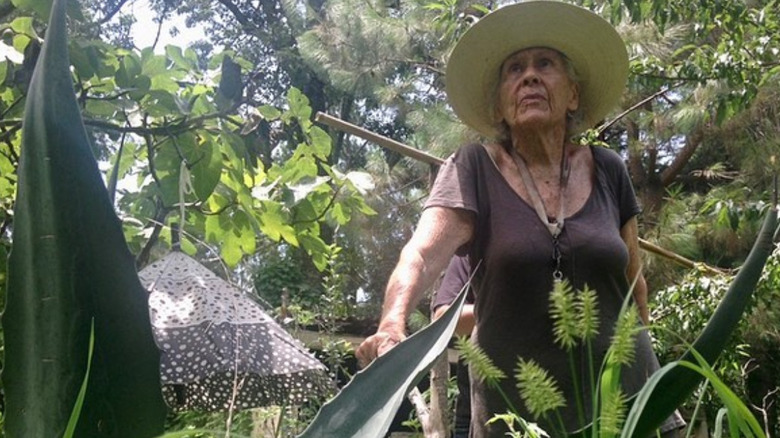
377,345
439,233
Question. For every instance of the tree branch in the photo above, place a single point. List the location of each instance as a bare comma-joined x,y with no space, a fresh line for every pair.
159,223
111,13
692,142
172,128
635,106
242,19
5,135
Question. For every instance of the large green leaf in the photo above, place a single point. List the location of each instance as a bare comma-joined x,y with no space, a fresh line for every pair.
69,263
676,384
40,7
367,405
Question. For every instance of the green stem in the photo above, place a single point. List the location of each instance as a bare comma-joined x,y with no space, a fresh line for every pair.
561,426
279,427
508,402
690,429
579,401
594,390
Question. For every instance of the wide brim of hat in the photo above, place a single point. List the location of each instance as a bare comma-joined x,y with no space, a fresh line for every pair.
594,48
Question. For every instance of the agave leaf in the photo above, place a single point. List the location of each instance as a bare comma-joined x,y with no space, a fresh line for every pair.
365,407
678,383
69,264
740,418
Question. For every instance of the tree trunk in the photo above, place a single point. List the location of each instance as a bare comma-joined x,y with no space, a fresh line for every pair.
434,418
440,407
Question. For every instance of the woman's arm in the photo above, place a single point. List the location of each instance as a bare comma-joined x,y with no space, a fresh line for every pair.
466,320
439,233
630,235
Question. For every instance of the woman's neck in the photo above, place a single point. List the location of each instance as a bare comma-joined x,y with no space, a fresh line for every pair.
539,149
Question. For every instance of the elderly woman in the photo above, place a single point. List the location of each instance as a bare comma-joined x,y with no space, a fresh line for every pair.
530,207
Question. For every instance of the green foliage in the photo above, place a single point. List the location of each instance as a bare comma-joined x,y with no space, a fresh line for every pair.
742,423
539,391
622,346
183,146
380,65
483,368
196,424
576,315
678,384
748,364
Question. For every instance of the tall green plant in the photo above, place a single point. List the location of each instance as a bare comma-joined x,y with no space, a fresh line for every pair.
679,383
69,264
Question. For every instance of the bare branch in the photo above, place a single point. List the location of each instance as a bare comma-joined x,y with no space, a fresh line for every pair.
634,107
237,14
111,13
692,142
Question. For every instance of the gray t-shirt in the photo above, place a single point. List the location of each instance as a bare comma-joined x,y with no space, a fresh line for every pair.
515,277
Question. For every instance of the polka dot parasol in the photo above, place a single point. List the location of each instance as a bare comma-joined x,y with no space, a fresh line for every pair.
219,349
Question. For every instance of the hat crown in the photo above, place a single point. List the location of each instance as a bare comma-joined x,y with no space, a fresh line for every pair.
593,46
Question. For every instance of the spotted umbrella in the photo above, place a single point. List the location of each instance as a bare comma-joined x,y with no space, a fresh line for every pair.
219,349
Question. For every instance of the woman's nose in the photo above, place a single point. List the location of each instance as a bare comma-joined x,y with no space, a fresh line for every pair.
530,76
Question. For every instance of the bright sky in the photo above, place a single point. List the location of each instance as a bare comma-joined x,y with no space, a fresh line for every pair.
145,29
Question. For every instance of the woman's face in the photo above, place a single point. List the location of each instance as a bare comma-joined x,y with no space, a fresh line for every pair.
535,91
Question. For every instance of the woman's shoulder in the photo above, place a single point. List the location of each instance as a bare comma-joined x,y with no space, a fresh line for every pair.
605,154
471,149
471,152
607,158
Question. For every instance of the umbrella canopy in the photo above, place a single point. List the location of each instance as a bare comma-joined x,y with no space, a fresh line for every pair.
219,349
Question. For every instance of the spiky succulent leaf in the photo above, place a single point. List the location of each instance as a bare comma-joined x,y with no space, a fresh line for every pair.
69,264
367,405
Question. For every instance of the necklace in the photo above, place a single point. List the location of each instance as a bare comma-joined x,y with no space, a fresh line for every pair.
555,228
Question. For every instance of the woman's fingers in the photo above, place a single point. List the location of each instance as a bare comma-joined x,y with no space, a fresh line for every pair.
375,346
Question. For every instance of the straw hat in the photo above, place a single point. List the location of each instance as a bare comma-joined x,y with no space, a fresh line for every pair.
594,48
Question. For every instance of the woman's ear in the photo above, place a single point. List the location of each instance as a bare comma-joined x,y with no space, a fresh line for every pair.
496,116
574,102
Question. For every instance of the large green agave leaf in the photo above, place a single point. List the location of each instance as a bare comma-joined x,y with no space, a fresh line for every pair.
674,385
366,406
69,264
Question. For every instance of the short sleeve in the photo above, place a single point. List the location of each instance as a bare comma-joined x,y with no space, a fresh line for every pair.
618,182
629,206
455,185
455,277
